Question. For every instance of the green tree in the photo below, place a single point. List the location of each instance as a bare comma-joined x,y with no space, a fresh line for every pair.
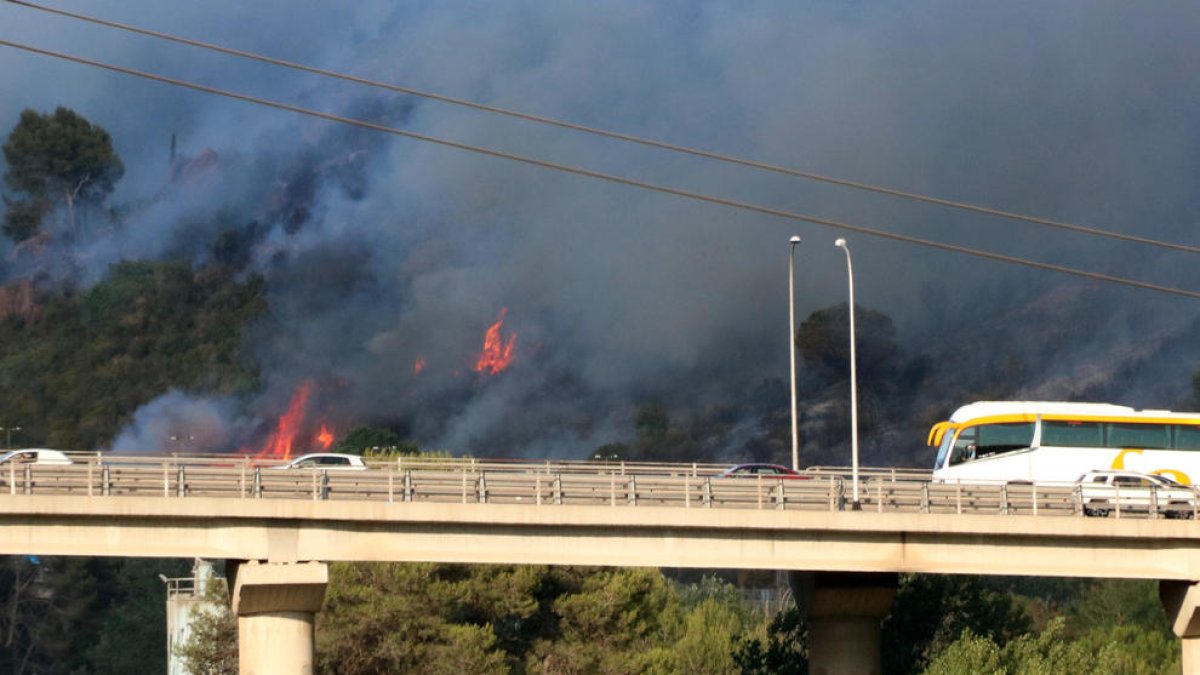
129,615
1121,602
362,439
932,610
823,339
58,159
398,618
781,650
613,624
212,647
1116,650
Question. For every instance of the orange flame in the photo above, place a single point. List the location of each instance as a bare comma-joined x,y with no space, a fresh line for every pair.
497,354
325,438
279,444
418,366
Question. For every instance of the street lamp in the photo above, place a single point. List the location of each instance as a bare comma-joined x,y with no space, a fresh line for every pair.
841,243
8,436
792,344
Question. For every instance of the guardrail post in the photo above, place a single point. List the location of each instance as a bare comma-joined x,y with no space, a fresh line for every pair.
1004,499
481,489
632,490
181,482
166,481
708,499
958,498
780,498
1153,502
105,481
258,485
1033,489
391,485
324,483
12,478
408,485
879,496
925,505
612,489
537,489
91,465
1117,499
835,497
464,486
28,479
558,492
1077,500
242,479
687,492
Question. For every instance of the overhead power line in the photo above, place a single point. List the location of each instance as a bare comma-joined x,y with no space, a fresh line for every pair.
611,178
649,142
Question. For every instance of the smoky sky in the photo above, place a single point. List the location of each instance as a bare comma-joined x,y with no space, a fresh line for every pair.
380,251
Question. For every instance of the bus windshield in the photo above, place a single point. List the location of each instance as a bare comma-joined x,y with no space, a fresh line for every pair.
987,440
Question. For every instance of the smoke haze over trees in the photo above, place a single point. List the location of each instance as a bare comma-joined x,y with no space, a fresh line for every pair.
377,254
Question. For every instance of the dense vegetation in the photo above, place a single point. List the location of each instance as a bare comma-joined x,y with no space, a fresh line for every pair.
73,372
395,618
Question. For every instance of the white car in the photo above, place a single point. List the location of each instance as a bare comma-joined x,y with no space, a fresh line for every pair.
1105,491
326,460
35,456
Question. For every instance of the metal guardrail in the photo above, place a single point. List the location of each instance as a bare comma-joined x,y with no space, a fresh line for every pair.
539,483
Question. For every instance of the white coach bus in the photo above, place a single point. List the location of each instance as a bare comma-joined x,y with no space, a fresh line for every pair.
1058,442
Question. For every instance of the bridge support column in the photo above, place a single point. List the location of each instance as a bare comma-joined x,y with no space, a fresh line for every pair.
843,611
1181,599
275,605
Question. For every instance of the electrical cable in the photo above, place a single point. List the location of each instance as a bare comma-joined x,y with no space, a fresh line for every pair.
620,180
661,145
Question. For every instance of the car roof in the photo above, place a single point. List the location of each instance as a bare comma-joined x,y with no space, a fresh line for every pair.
758,465
40,452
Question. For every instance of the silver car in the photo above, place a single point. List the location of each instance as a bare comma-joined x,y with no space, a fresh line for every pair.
1106,491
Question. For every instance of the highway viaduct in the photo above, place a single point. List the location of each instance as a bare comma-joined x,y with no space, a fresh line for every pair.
844,561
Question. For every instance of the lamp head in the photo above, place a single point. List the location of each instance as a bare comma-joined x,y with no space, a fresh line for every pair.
840,243
795,239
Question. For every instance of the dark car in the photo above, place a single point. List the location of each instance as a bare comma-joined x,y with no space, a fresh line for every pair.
764,470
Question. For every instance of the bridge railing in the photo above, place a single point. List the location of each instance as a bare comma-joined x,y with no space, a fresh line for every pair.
567,483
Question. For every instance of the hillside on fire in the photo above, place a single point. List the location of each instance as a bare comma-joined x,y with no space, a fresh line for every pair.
242,335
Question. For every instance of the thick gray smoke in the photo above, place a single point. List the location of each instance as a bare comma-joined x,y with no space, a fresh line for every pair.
381,253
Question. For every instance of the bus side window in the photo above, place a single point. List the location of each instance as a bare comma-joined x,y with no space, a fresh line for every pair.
964,446
1187,437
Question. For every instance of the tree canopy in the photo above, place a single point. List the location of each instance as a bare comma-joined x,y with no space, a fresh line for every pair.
823,339
58,159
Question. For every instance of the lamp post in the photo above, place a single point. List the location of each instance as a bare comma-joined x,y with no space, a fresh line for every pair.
8,431
856,505
792,344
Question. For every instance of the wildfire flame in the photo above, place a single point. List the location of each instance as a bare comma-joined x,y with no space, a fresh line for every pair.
279,444
325,438
418,366
497,353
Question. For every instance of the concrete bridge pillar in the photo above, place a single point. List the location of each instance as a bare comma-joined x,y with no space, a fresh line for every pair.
1181,599
275,604
843,611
